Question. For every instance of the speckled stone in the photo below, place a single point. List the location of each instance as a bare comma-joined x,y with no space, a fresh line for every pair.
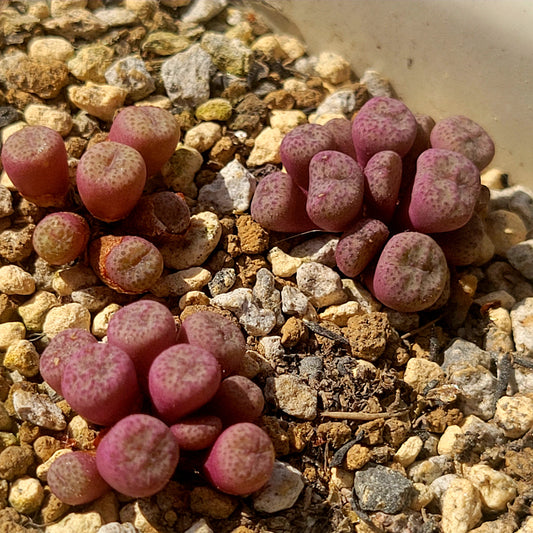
164,43
15,280
130,73
91,62
229,55
292,395
76,23
38,409
22,357
320,284
186,76
380,488
43,77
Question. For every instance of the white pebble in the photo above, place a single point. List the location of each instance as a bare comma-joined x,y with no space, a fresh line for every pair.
293,301
38,409
15,280
231,191
281,490
319,250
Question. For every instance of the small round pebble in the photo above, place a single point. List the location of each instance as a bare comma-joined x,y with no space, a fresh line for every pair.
26,495
71,315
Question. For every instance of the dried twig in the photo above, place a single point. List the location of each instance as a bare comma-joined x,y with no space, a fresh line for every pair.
362,416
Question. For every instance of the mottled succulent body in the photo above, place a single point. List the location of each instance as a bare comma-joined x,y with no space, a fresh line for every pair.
152,131
61,237
35,159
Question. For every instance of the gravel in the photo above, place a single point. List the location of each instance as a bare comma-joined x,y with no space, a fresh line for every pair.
433,410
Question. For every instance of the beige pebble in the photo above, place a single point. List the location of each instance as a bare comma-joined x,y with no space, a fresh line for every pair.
178,283
33,311
322,119
70,279
420,372
203,136
408,451
266,148
101,320
62,7
78,429
42,469
270,47
39,9
293,47
514,415
91,62
99,100
72,315
447,440
283,265
11,333
15,280
423,496
50,47
339,314
201,239
341,478
495,488
193,298
461,507
8,130
294,85
83,522
333,68
26,495
287,120
53,118
22,357
505,229
6,202
155,100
